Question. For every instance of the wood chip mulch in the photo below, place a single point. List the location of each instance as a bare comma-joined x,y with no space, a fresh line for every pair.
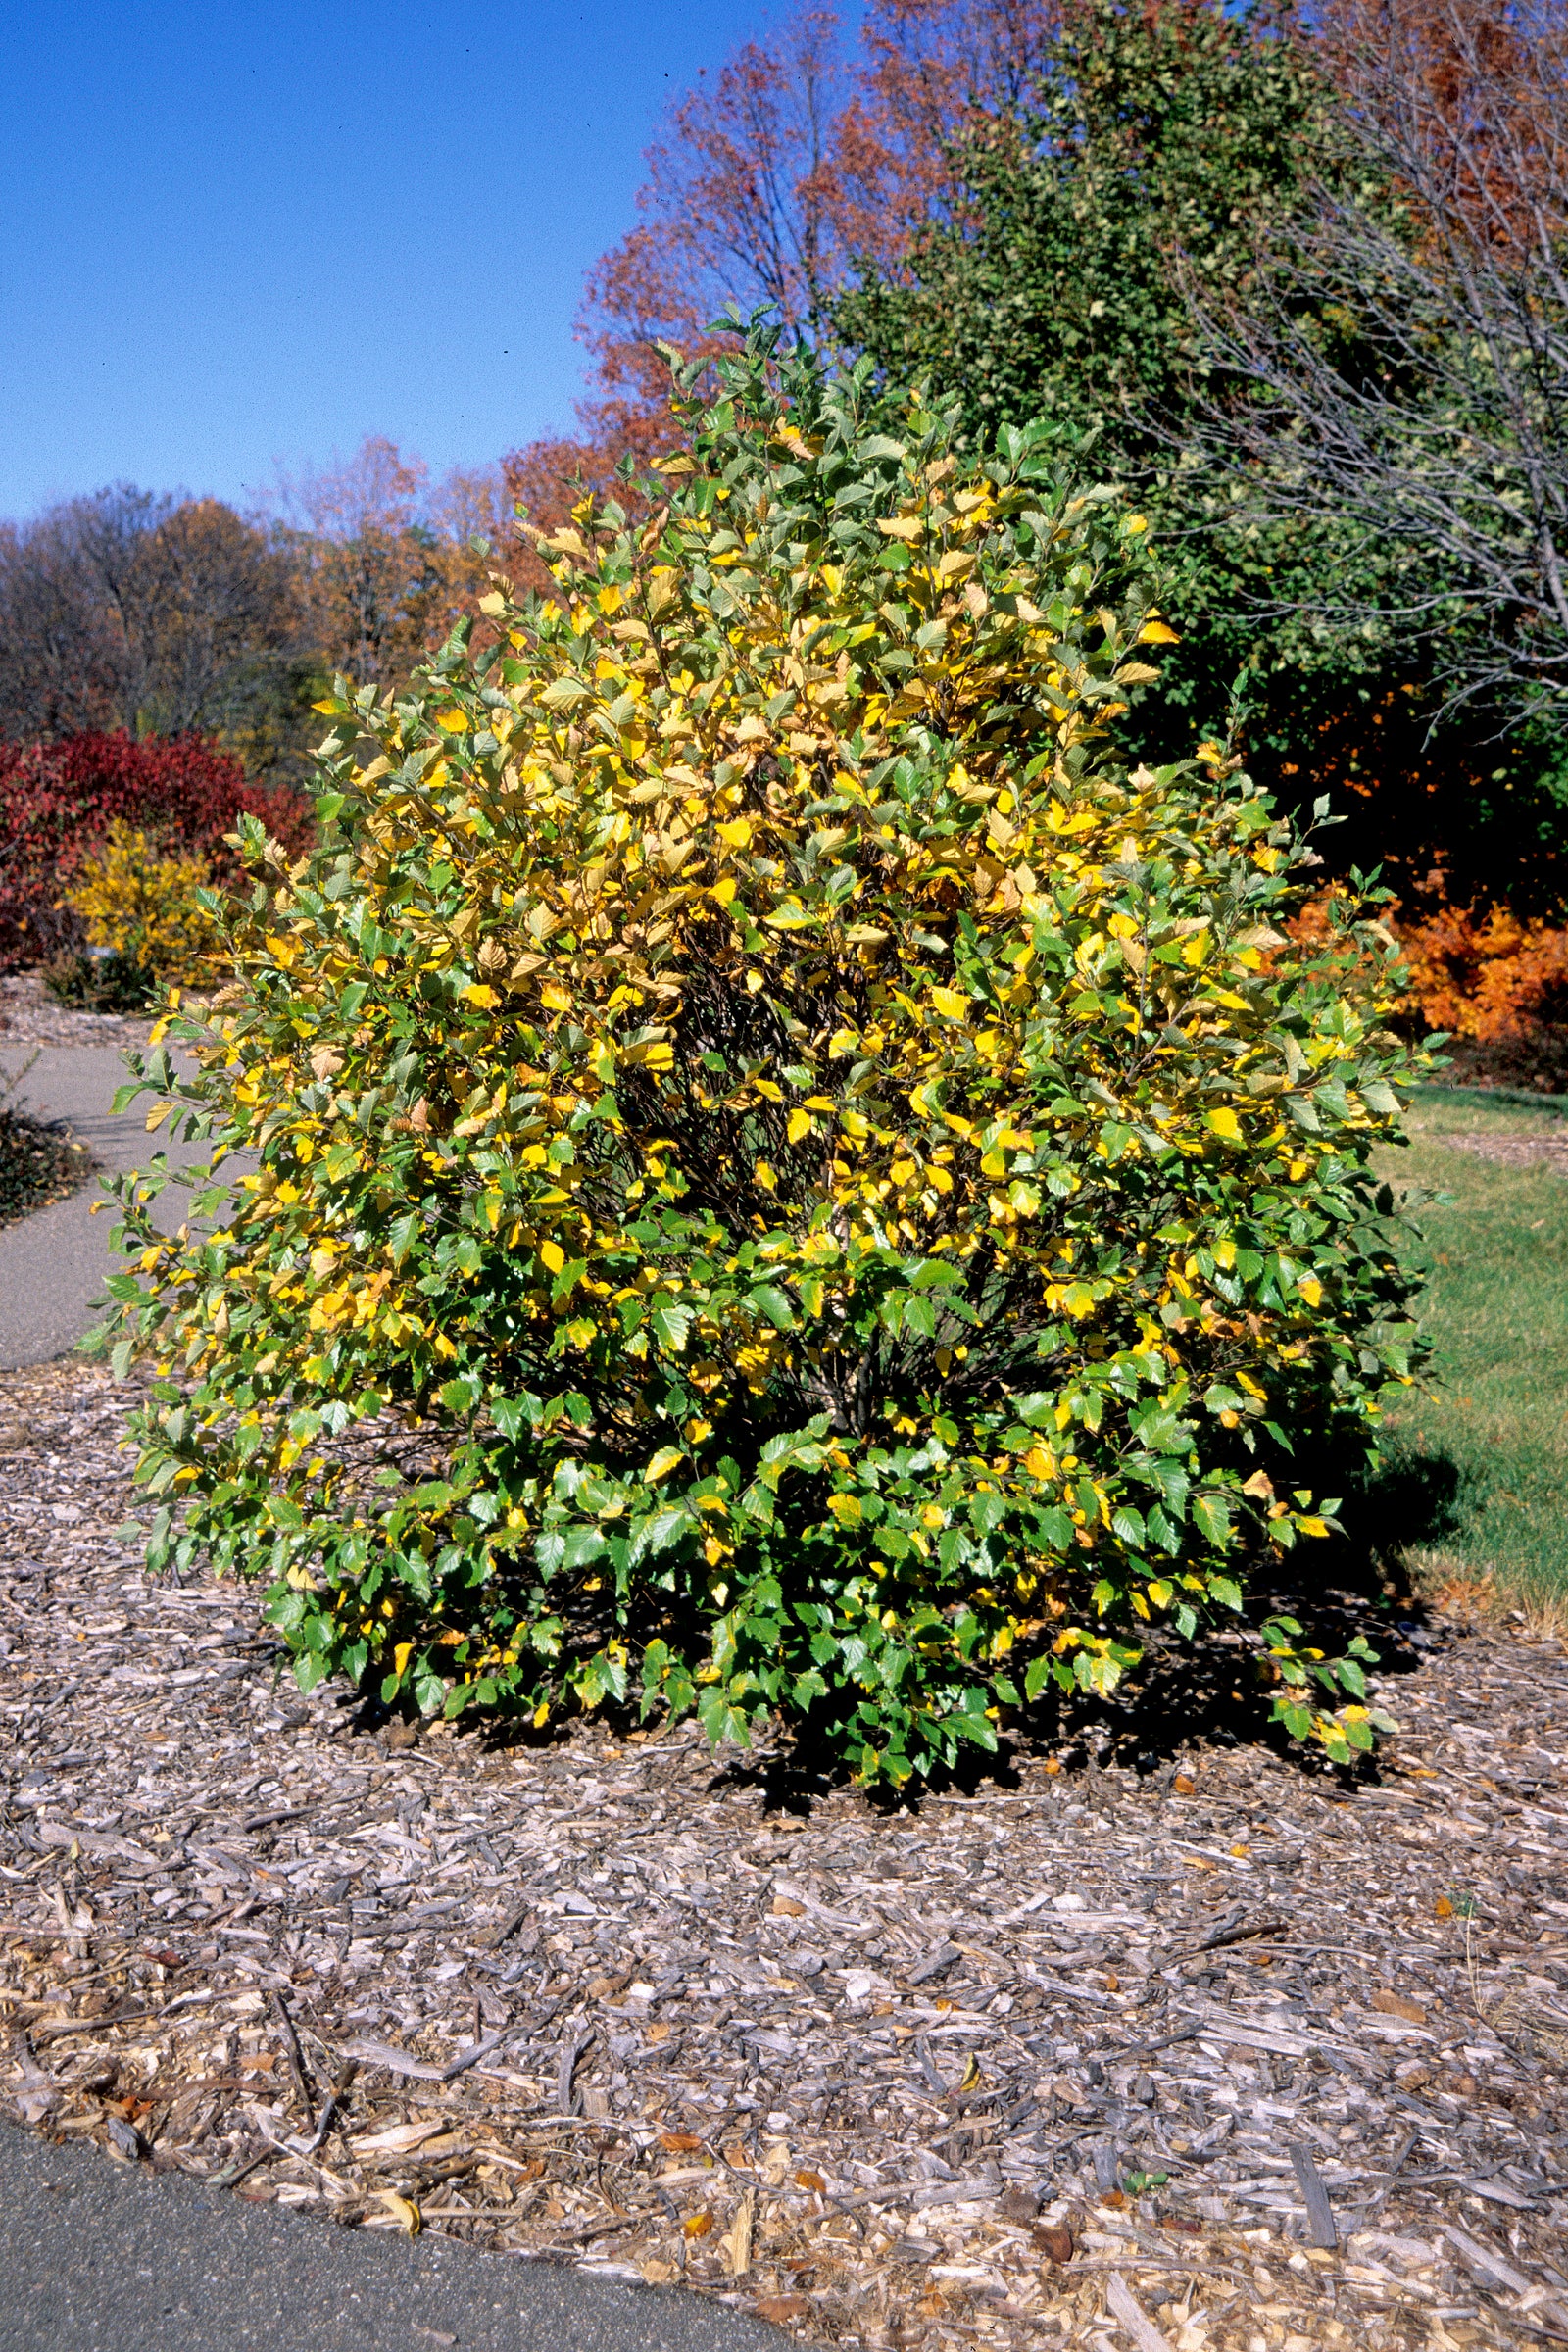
1522,1147
31,1016
1222,2055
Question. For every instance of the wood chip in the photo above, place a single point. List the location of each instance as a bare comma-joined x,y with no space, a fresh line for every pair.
581,2017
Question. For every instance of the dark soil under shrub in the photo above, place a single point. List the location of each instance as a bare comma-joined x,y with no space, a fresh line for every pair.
37,1166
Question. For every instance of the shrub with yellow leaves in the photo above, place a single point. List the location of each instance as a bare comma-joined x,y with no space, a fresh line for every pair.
145,900
856,1179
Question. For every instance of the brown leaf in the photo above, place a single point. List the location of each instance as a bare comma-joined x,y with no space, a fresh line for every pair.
807,2178
779,2308
679,2143
698,2224
786,1907
1394,2004
1055,2241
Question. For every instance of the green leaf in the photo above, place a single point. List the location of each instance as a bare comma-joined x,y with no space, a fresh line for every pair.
769,1301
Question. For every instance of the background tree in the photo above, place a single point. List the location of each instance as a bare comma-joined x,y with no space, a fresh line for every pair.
1097,233
158,615
1402,363
803,151
387,563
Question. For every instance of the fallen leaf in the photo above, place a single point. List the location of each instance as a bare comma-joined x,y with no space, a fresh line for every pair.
807,2178
698,2224
786,1907
1443,1908
403,2209
659,2273
777,2308
1394,2004
1055,2241
1183,1785
1181,2222
679,2143
662,2032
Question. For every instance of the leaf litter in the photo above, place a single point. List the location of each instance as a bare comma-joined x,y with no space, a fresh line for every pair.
1220,2054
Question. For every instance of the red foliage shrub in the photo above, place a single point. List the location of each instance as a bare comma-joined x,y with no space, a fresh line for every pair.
58,800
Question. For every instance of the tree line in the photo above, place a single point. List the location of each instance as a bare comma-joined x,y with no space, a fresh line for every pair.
165,616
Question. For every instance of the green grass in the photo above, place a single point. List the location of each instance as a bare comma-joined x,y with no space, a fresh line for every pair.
1485,1452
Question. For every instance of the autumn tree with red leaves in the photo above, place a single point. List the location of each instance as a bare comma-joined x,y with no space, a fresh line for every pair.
772,184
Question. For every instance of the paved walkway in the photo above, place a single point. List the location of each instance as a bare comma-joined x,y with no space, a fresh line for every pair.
103,2257
53,1263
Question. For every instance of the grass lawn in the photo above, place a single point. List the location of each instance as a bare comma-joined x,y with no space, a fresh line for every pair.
1487,1449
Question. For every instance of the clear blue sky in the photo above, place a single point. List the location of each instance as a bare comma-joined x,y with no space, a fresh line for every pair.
247,232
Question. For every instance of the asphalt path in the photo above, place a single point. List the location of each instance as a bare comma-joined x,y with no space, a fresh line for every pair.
53,1264
97,2256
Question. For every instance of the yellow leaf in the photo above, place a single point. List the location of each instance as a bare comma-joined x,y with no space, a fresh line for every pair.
555,998
663,1463
736,834
406,2211
485,998
971,2074
1156,632
765,1177
555,1257
950,1004
800,1125
1311,1290
453,722
401,1655
1226,1124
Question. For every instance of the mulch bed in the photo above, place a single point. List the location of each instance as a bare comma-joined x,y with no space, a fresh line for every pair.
1083,2055
31,1016
1523,1147
38,1163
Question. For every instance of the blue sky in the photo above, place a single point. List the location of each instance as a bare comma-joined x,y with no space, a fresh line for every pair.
241,235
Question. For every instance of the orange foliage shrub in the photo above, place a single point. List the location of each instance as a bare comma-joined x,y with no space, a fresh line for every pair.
1489,976
1492,976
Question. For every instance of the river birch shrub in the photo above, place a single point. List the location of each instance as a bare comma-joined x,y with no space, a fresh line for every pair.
852,1169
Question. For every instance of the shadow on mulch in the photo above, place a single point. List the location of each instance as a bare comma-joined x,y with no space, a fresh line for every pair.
1210,1693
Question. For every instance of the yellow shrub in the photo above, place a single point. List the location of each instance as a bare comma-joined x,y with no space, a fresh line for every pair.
142,900
852,1168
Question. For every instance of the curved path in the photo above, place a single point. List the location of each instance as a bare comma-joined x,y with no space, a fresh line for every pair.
103,2257
53,1264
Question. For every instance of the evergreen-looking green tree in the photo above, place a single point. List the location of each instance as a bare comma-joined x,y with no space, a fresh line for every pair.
1165,146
